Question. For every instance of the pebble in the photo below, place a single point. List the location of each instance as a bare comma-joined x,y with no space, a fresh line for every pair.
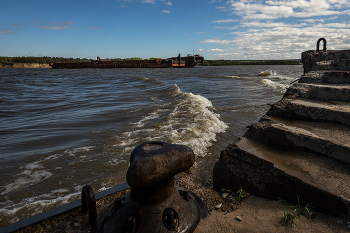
218,206
224,195
76,224
239,218
339,222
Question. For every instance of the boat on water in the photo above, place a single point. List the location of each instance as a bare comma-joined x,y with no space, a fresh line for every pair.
174,62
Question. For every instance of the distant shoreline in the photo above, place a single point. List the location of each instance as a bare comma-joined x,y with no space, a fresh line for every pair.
205,63
43,62
249,62
24,65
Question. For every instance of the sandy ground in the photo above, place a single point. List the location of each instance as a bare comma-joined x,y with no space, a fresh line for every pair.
263,215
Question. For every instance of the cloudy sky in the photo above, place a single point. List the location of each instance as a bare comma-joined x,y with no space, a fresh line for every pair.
216,29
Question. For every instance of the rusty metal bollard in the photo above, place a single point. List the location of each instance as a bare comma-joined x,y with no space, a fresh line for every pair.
324,45
154,203
88,203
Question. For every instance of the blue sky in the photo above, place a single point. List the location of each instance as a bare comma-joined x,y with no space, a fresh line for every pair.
216,29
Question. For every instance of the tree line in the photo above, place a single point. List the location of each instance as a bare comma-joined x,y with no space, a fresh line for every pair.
47,60
249,62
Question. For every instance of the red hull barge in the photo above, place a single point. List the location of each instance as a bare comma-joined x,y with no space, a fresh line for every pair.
174,62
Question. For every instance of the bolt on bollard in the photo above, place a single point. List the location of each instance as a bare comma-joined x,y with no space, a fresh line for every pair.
154,203
88,203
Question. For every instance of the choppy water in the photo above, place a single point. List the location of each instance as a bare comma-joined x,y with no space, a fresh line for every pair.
61,129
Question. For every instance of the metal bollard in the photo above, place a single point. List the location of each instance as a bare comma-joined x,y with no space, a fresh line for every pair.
324,45
88,203
154,203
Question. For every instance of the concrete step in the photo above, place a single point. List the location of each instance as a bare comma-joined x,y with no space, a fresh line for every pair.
324,65
322,91
334,76
266,171
322,138
312,110
341,64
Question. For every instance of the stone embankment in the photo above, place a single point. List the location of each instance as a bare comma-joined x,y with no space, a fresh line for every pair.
299,150
25,65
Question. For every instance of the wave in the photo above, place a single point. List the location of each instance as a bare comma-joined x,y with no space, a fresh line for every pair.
278,87
236,77
31,174
273,75
37,204
35,172
188,120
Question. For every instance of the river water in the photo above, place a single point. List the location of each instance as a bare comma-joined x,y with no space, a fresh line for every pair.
61,129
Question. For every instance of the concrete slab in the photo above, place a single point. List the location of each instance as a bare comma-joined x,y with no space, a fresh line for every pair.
339,59
312,110
322,91
333,76
279,173
326,139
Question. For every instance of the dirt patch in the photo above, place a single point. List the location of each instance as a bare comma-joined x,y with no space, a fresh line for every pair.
263,215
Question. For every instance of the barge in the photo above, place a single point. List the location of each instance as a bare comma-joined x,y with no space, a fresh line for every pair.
174,62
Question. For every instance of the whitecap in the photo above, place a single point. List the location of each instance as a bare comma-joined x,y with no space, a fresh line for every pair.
279,87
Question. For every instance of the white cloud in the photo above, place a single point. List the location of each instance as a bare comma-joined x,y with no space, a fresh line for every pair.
215,50
167,2
280,29
54,25
7,31
251,9
148,1
216,41
226,21
284,42
166,11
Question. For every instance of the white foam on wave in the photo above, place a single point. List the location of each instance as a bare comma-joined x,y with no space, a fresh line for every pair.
150,116
278,87
273,74
265,73
233,76
36,204
189,120
237,77
198,123
35,172
74,151
30,174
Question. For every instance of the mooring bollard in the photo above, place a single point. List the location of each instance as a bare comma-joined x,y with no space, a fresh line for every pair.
88,203
324,45
154,203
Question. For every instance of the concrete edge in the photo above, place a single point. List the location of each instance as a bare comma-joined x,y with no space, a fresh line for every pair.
58,211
